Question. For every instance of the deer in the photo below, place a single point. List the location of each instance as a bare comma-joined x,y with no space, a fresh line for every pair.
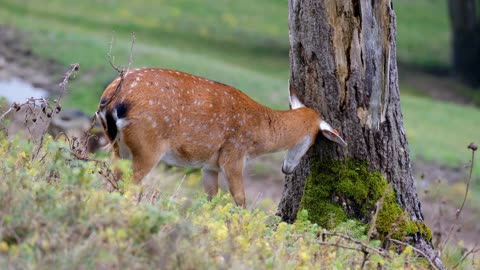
154,114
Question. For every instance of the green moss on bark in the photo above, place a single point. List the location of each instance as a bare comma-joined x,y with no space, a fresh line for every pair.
336,191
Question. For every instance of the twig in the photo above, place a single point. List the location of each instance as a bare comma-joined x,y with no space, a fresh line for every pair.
111,58
63,89
122,73
416,250
471,251
178,188
103,166
338,245
474,148
358,242
130,58
5,113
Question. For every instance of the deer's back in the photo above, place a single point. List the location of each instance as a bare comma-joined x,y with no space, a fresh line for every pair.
197,117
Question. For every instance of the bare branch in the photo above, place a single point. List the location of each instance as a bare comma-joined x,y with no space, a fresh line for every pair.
416,250
122,73
130,58
7,112
465,256
111,58
473,148
358,242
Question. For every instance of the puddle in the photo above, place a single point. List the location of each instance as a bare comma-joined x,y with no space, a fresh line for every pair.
18,90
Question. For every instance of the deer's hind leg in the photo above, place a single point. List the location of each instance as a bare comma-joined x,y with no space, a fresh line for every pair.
233,170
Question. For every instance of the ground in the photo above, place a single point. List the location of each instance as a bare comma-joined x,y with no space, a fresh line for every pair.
263,176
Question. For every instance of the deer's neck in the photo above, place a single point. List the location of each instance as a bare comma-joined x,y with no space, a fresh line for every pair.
281,130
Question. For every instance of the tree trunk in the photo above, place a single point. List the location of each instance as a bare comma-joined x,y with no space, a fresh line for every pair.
343,64
465,21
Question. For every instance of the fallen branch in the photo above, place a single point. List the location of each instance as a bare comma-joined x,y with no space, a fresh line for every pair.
358,242
416,251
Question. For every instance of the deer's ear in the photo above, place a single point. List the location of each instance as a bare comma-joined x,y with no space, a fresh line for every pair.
331,133
295,103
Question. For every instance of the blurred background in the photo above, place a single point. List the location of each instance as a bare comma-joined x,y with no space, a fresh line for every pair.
245,44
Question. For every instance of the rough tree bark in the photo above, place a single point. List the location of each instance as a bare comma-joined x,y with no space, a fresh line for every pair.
343,64
465,22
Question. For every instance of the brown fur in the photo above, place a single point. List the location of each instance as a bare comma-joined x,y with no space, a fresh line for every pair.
202,123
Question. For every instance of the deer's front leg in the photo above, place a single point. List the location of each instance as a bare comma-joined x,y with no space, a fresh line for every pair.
210,182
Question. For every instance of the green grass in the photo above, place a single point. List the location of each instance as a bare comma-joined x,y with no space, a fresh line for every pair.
440,131
423,33
241,43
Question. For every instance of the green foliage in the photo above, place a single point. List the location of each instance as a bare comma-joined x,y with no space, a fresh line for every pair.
56,213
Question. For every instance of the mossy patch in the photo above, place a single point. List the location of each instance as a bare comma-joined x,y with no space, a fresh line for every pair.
336,191
394,222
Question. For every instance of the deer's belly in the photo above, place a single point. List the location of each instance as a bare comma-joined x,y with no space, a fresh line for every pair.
174,159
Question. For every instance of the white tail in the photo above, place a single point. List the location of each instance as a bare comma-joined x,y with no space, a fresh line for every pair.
188,121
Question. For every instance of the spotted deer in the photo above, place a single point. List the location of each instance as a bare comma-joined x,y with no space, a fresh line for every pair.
188,121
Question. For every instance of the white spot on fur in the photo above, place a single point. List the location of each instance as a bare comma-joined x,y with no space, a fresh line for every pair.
154,124
133,84
150,102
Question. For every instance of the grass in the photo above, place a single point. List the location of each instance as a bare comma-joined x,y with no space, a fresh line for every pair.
440,131
240,43
423,33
